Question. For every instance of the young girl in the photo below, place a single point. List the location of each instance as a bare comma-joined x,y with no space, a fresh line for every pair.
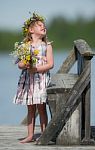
33,79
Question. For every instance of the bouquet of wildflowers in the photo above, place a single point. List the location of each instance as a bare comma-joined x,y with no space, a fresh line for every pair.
23,53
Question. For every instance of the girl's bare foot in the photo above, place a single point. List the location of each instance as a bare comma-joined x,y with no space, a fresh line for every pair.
27,140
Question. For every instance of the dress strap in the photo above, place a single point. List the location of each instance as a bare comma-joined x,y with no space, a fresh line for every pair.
49,43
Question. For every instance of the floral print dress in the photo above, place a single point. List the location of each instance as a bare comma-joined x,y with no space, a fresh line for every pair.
32,87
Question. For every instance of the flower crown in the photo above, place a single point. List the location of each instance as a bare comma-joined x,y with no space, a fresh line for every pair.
35,17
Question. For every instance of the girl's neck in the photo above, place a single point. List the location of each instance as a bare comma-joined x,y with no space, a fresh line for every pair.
36,41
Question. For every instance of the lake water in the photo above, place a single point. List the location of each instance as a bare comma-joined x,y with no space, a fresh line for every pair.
11,114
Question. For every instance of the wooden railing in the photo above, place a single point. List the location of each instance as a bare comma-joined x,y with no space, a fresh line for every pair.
68,93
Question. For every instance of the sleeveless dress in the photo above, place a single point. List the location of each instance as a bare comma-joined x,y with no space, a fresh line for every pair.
32,87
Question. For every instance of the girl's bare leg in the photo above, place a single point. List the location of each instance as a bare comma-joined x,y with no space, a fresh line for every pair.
31,123
43,116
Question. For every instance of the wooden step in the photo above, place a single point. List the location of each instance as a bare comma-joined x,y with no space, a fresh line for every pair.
61,82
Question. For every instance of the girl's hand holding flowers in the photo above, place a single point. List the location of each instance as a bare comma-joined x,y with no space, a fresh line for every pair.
21,65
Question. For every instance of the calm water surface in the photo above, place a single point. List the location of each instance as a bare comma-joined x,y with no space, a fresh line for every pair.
11,114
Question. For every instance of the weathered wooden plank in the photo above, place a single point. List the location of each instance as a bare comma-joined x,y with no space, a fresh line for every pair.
59,119
83,48
87,95
86,98
62,82
85,103
68,63
10,135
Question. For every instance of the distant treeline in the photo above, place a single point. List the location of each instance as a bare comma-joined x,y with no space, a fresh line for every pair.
61,31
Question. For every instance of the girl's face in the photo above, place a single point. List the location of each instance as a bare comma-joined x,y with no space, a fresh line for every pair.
38,29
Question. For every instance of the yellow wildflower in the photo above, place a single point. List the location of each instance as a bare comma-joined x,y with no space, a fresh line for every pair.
36,52
25,30
28,57
24,61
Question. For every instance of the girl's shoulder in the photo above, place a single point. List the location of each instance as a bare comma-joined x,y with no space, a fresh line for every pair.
49,42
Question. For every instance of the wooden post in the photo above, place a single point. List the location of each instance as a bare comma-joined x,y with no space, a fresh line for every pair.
85,103
84,56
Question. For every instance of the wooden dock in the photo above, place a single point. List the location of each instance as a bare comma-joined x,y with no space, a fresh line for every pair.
10,140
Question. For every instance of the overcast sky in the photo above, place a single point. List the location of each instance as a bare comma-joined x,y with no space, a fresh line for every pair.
14,12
